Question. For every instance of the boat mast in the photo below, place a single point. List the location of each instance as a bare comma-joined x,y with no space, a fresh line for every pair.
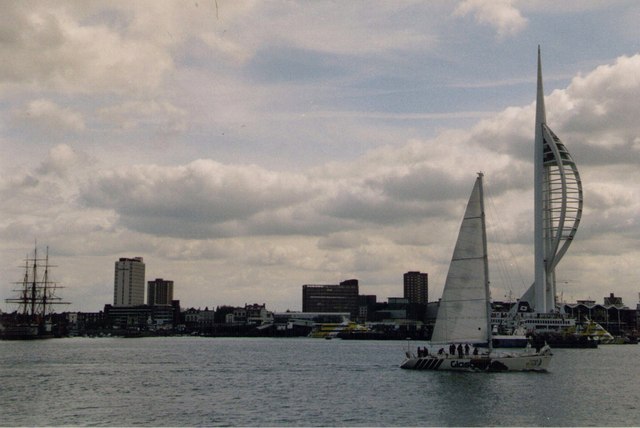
36,294
485,260
45,280
34,282
24,291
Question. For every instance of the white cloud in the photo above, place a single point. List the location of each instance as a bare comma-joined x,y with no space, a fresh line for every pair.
205,199
499,14
51,49
343,240
602,107
162,115
49,117
236,52
595,115
132,47
61,160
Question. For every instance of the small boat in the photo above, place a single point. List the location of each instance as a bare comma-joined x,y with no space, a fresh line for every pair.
596,332
517,339
565,340
464,314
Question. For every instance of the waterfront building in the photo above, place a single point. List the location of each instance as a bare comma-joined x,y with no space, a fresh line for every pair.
143,317
331,298
128,317
253,314
613,300
197,319
159,292
613,315
90,321
366,307
128,289
239,316
416,287
207,318
394,309
258,314
191,317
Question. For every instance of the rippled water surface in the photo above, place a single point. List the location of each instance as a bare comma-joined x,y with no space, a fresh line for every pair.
291,382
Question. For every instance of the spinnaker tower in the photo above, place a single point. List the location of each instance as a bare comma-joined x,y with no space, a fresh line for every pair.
558,200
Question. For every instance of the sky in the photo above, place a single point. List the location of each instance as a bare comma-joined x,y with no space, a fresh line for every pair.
245,148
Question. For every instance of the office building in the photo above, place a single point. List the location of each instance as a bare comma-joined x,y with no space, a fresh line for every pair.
143,317
128,289
331,298
159,292
366,307
416,287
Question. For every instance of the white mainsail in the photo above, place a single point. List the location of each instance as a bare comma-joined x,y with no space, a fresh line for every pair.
463,314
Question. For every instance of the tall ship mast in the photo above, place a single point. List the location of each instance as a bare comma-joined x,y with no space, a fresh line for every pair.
35,299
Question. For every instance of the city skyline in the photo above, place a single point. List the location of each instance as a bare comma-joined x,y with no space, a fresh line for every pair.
242,160
129,279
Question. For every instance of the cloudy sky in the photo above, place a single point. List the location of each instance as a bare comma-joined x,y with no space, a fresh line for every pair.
245,148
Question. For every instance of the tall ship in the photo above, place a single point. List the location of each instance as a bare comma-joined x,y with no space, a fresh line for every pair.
35,300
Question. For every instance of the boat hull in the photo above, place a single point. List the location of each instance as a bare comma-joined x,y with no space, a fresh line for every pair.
509,341
23,332
529,362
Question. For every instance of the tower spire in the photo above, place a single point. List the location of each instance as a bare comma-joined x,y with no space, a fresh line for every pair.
540,282
541,116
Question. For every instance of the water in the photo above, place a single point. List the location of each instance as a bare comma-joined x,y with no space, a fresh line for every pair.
192,381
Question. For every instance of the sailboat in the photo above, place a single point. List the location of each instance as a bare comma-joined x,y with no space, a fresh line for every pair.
35,300
464,314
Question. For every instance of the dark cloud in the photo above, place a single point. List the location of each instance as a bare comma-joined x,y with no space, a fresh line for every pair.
203,194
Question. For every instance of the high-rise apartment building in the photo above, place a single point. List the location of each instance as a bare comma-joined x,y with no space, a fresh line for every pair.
416,287
331,298
159,292
128,288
